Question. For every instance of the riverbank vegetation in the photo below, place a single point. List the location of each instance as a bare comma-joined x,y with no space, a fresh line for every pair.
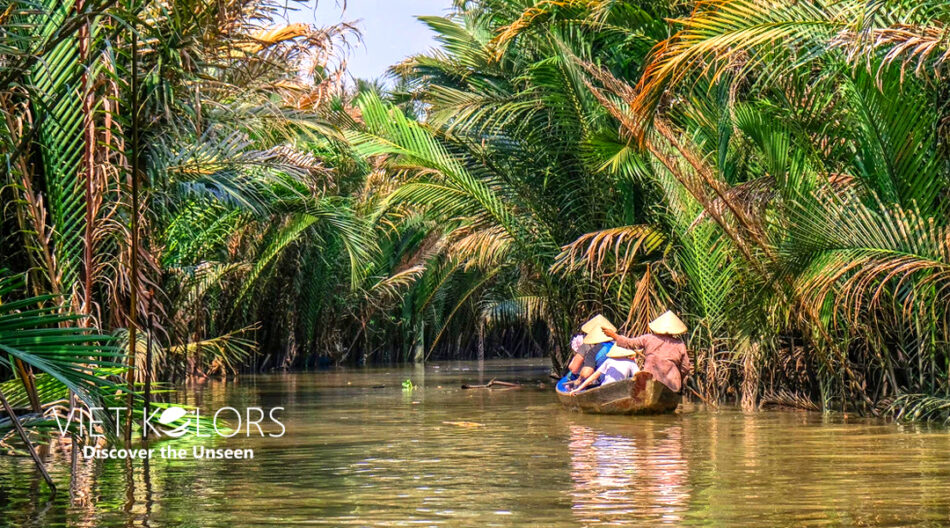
775,172
200,172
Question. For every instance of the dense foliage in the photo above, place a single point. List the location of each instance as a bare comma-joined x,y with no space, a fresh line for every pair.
159,157
776,172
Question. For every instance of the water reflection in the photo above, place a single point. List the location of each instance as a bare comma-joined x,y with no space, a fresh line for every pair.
628,478
361,451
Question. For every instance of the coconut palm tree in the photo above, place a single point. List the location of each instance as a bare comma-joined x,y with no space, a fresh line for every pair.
773,170
823,163
148,166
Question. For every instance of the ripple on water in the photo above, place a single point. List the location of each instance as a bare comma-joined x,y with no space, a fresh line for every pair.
355,455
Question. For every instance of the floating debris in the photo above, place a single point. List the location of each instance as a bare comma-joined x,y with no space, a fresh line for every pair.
465,424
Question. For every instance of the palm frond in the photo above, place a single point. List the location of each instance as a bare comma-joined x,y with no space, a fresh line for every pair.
35,331
592,251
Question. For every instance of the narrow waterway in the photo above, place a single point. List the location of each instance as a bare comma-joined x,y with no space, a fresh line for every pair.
362,450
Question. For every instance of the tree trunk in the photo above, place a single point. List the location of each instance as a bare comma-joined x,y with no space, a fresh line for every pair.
134,227
419,344
481,342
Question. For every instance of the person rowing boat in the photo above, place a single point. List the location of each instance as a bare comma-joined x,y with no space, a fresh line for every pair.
625,390
664,352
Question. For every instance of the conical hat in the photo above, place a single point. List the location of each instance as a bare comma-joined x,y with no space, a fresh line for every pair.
596,336
620,352
596,323
668,324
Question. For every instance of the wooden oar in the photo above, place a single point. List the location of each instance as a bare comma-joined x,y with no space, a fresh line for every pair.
700,397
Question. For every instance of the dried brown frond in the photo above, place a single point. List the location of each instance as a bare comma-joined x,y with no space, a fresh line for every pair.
925,49
316,95
431,245
752,196
532,16
644,306
624,244
481,248
785,398
389,289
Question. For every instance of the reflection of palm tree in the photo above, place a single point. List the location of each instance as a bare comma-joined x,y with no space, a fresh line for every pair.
638,475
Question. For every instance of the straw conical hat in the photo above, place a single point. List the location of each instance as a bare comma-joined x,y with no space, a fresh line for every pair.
596,323
617,351
667,323
596,336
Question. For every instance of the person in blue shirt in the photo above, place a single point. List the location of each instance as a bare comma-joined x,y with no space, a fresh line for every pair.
620,365
590,351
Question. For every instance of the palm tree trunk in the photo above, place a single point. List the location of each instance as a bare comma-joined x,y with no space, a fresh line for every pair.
88,164
134,249
419,346
148,357
481,341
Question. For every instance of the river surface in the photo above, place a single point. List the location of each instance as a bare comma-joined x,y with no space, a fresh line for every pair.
361,450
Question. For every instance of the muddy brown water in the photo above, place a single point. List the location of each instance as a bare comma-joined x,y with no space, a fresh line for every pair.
360,450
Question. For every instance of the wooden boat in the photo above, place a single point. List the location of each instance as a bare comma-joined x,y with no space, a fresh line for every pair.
640,394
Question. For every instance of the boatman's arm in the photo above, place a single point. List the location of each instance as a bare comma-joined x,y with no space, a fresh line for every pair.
624,341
